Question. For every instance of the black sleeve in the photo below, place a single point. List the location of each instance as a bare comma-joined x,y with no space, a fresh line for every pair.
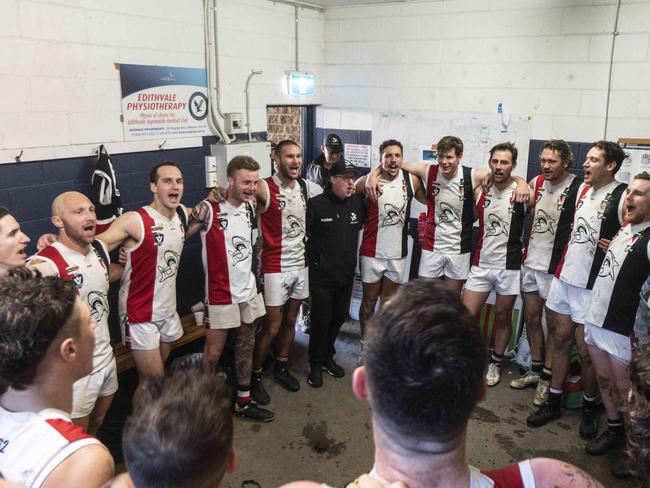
309,217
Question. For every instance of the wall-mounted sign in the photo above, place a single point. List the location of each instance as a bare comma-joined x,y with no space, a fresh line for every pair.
163,101
358,154
300,83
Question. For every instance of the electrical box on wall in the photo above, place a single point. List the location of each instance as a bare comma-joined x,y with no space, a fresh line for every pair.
234,123
223,153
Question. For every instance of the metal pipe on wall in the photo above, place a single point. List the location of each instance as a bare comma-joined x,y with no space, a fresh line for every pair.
611,68
248,115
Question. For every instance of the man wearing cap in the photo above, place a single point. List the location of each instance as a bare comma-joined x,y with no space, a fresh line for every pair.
334,219
318,170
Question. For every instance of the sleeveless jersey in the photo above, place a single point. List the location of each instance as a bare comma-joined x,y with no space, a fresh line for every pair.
386,225
32,444
615,296
552,218
597,216
282,223
501,223
148,288
90,276
228,254
450,211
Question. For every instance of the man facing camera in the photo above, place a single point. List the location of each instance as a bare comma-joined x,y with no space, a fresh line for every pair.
13,243
47,338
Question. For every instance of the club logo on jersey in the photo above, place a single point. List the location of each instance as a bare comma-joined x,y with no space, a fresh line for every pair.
543,223
78,280
282,203
584,233
563,197
496,226
98,305
486,203
295,228
435,188
353,218
608,268
448,213
171,266
603,205
393,215
461,190
540,194
223,223
241,250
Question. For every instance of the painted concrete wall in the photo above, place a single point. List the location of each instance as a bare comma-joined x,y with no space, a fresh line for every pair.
547,60
60,87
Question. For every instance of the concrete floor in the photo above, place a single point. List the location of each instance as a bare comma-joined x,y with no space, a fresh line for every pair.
325,434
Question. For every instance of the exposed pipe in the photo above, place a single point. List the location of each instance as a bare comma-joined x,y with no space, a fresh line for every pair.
306,5
295,40
611,68
211,62
248,115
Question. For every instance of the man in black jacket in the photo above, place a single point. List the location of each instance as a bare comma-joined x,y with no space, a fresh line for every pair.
334,219
318,170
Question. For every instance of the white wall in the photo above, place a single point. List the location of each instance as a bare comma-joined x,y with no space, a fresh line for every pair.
547,60
60,91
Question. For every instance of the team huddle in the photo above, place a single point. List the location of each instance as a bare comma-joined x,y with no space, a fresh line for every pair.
584,265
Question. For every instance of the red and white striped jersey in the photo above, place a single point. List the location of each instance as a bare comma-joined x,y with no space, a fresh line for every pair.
90,276
552,219
282,223
599,214
386,225
228,254
32,444
450,211
501,224
148,287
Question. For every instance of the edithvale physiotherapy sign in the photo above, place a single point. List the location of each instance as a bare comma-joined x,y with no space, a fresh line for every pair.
163,101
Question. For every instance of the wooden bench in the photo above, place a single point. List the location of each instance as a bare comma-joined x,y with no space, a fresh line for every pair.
191,331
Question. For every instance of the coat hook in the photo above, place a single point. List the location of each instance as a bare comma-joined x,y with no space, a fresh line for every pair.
17,158
163,143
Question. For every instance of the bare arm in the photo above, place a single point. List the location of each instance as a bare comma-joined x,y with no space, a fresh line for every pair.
198,219
360,185
115,272
126,227
46,268
551,473
89,467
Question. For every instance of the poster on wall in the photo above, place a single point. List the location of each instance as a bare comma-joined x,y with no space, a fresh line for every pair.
358,154
163,101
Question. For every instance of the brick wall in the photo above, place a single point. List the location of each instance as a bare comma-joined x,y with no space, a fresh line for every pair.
284,123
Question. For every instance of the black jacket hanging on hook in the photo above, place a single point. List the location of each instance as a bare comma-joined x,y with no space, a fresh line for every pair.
104,192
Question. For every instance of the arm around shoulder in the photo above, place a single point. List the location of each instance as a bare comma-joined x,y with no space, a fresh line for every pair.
124,227
89,467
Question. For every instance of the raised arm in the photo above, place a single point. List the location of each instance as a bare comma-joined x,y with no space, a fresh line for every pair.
126,229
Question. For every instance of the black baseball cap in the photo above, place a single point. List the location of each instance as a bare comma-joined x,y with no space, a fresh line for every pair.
333,143
342,166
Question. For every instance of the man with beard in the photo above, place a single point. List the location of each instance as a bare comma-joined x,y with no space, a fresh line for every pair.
153,238
553,204
384,242
231,294
13,243
318,170
79,257
597,218
449,189
333,223
497,257
611,313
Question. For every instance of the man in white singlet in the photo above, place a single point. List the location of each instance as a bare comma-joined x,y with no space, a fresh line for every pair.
13,243
597,218
383,243
153,238
79,257
497,257
554,194
420,415
231,295
47,341
449,192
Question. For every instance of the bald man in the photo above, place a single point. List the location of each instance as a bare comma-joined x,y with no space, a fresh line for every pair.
79,257
13,243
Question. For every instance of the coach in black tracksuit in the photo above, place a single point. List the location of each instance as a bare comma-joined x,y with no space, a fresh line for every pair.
334,219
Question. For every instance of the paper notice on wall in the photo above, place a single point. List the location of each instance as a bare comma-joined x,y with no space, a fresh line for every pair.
358,154
163,102
637,161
